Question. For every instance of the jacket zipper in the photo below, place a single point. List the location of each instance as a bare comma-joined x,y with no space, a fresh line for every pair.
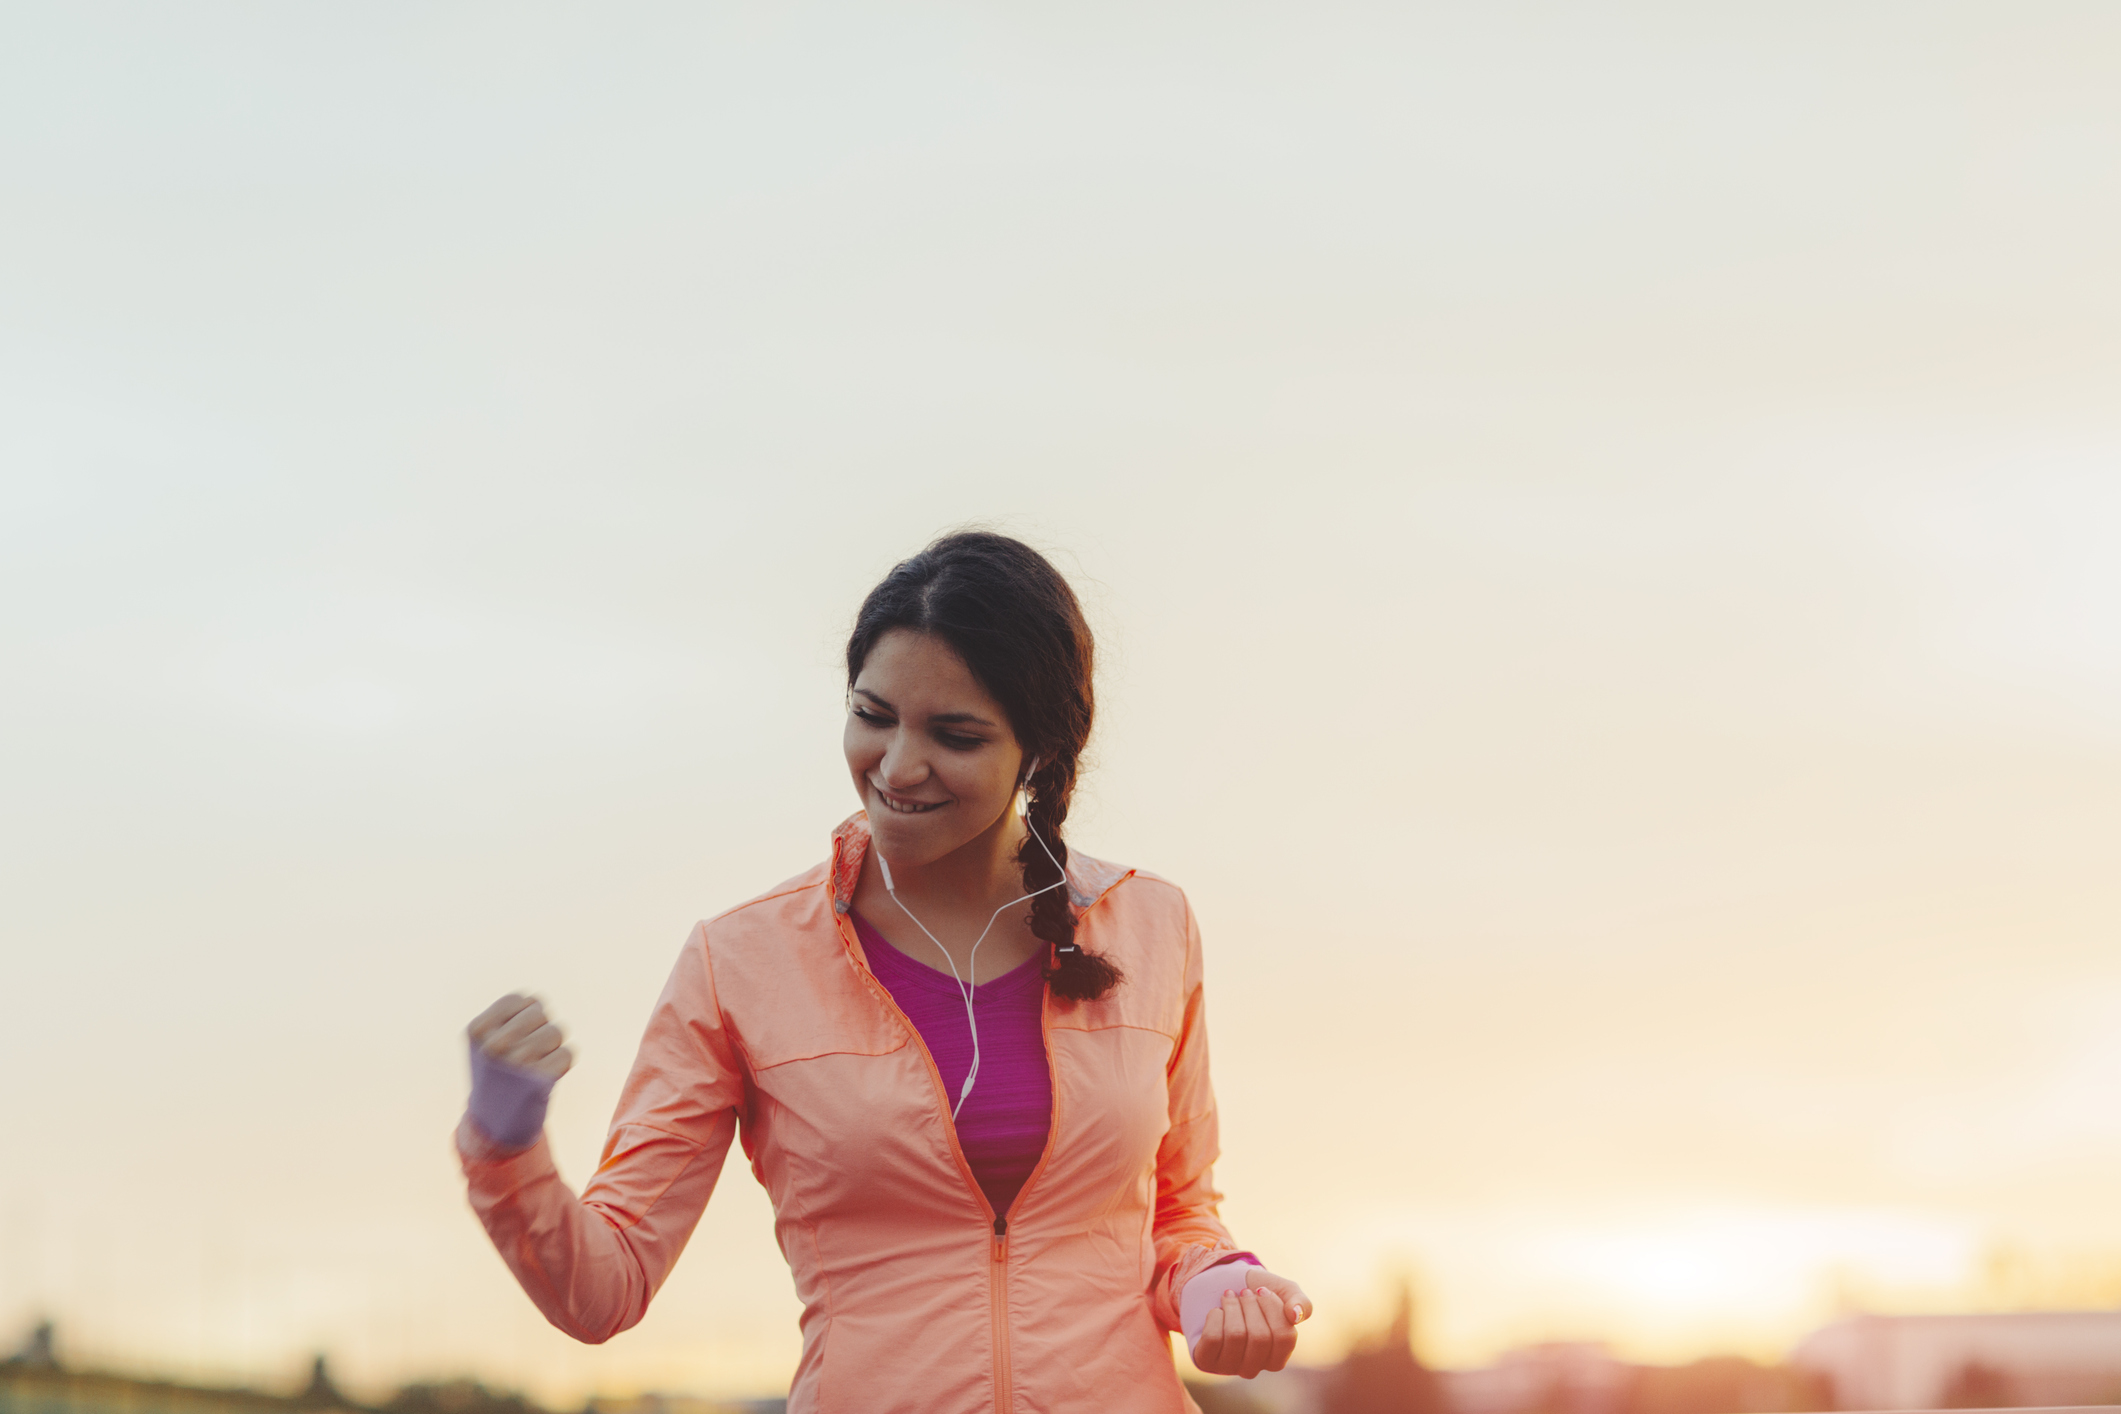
1003,1379
998,1284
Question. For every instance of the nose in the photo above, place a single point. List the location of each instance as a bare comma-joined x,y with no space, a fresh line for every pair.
903,767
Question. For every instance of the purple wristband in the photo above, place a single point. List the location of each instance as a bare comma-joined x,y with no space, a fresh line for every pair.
507,1101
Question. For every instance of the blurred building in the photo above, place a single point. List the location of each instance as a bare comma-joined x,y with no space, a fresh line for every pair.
1563,1377
1983,1361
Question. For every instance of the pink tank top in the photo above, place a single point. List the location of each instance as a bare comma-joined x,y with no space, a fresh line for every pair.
1002,1127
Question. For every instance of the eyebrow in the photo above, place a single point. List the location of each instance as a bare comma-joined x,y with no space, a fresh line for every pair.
972,717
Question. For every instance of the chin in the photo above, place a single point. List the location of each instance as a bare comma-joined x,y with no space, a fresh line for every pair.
908,849
916,840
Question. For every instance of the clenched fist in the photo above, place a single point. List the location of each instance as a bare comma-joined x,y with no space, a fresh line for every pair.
515,1031
1252,1328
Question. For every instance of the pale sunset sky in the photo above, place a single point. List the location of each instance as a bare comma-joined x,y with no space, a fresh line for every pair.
1604,525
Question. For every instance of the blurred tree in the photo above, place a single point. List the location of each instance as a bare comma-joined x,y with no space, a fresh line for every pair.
322,1393
1382,1375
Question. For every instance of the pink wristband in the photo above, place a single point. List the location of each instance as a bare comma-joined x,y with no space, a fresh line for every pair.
1205,1292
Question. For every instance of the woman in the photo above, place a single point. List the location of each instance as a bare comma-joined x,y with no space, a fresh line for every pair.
969,1064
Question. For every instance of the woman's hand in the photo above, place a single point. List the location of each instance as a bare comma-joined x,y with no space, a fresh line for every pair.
1252,1330
516,1031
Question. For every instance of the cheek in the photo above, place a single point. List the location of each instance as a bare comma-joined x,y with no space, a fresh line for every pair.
983,785
860,746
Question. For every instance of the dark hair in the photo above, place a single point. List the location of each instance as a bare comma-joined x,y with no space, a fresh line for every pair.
1016,624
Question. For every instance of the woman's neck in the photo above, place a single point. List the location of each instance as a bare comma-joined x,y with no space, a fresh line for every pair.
955,902
982,872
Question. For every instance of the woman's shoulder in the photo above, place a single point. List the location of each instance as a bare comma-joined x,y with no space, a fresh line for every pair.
792,896
1095,883
777,968
1143,923
792,918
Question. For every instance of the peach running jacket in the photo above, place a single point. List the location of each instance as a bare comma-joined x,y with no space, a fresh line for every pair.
916,1297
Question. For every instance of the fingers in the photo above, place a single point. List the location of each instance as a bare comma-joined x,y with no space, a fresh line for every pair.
539,1044
1236,1339
1208,1350
1280,1328
555,1064
505,1038
489,1020
516,1030
1292,1296
1259,1337
1221,1350
1255,1329
1252,1330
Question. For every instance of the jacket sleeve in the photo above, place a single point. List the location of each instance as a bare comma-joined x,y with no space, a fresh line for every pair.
592,1264
1189,1235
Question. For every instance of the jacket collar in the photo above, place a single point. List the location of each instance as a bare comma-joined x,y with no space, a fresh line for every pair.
1088,878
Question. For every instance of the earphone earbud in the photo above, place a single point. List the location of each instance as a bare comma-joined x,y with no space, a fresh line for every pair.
1023,794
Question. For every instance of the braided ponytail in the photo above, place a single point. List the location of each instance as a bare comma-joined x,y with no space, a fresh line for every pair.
1076,974
1004,609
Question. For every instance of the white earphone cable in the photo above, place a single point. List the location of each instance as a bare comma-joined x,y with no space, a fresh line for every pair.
964,988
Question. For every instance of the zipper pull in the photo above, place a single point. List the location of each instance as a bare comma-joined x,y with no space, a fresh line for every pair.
1001,1237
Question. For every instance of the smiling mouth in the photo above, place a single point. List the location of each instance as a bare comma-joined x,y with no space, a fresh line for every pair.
899,805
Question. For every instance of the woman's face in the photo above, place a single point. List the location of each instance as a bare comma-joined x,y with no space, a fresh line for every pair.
931,753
